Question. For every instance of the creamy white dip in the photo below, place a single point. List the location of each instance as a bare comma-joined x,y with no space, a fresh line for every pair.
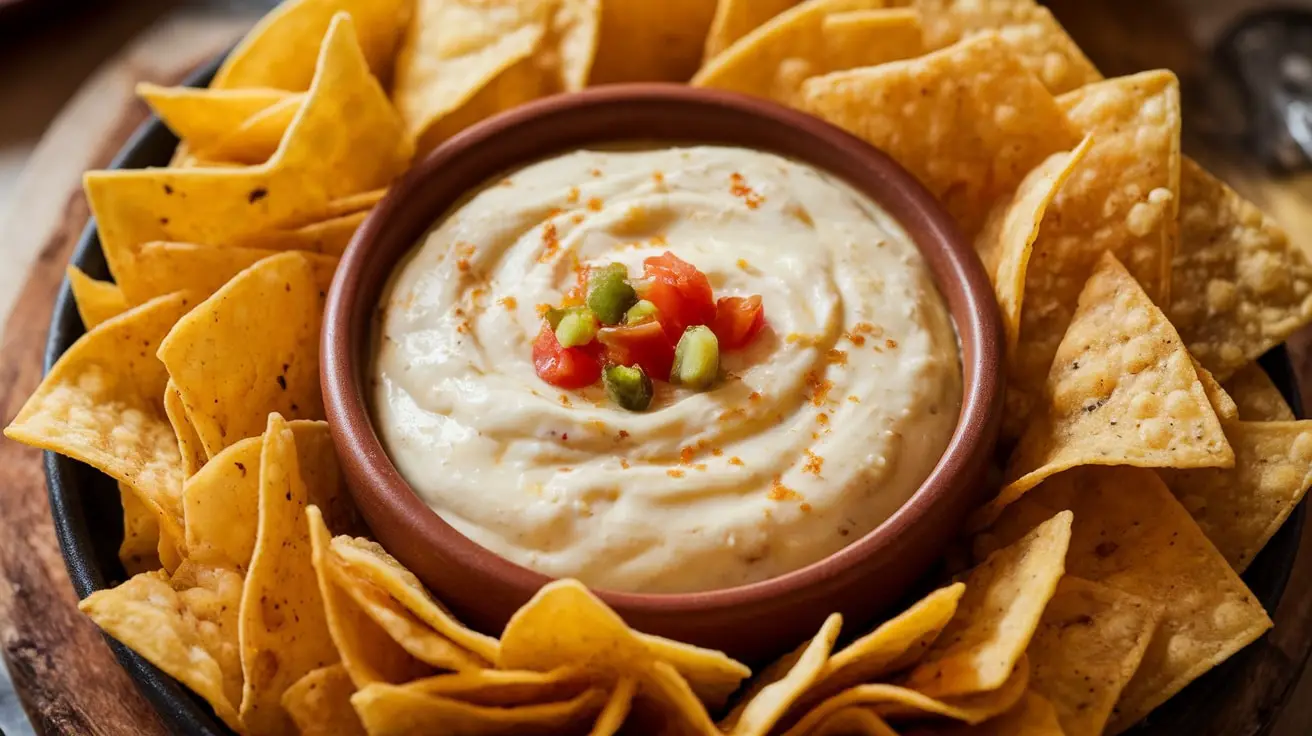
826,424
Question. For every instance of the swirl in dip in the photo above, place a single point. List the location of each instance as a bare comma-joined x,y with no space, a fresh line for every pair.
819,430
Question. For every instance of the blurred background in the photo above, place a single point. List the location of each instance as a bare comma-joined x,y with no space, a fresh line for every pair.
67,68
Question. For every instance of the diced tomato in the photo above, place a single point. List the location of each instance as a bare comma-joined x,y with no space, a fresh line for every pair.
681,293
567,368
644,344
737,320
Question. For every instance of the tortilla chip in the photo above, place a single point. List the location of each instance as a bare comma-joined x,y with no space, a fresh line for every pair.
774,60
139,550
1034,715
391,710
1032,33
250,349
329,237
851,720
1224,406
951,118
1256,397
202,117
189,446
736,18
666,703
643,41
1007,240
102,404
347,139
1132,535
279,51
320,703
256,139
163,268
1241,508
368,653
96,301
781,684
1088,646
369,560
895,701
284,632
1122,198
1005,596
505,687
1240,286
617,708
1123,391
713,676
159,622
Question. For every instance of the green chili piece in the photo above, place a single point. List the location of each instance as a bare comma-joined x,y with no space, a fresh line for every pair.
577,327
628,386
696,358
609,293
643,311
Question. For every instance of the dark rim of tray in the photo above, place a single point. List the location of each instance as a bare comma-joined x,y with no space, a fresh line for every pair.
89,524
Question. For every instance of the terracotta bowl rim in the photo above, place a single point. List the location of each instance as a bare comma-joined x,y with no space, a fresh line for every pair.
978,326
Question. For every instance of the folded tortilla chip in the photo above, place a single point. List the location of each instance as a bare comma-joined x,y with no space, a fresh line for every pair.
1256,396
1222,403
1131,534
189,445
736,18
815,38
163,268
390,710
617,708
853,720
255,139
505,687
951,119
1088,645
782,684
1034,715
202,117
1123,391
96,301
1240,286
329,237
320,703
1005,596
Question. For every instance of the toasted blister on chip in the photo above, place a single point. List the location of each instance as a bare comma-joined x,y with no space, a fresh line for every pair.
395,710
1240,286
257,137
279,51
189,444
96,300
940,116
642,41
1122,198
1222,403
814,38
1131,534
1034,715
346,139
1256,397
234,364
1241,508
201,117
1122,391
139,551
1088,645
736,18
320,703
781,684
163,268
1007,240
284,631
102,404
168,626
1005,596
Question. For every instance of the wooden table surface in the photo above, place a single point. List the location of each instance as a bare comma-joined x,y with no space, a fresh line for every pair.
69,108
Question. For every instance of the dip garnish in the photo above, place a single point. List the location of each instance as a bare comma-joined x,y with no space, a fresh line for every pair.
668,326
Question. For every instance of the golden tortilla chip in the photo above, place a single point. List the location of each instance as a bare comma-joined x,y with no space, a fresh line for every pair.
1034,715
1123,391
1005,596
159,622
617,708
279,51
329,237
1256,397
250,349
347,139
783,683
851,720
256,139
1241,508
284,632
320,703
642,41
102,404
1132,535
666,703
1007,240
202,117
163,268
1122,199
391,710
370,561
713,676
505,687
139,550
368,653
1222,403
189,446
96,301
952,119
1240,286
1088,646
774,60
736,18
349,205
